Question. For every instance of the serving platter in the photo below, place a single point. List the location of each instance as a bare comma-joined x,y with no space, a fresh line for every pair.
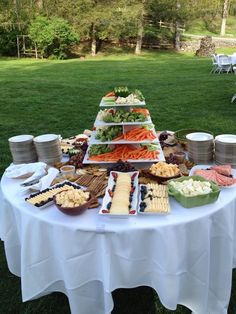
102,123
114,104
161,157
93,140
107,198
51,202
204,167
147,213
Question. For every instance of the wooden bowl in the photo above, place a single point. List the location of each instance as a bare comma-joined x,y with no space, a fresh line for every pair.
160,179
74,211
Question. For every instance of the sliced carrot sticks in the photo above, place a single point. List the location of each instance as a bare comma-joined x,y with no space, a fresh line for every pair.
126,152
137,134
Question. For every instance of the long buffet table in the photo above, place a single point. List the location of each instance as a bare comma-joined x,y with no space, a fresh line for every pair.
186,256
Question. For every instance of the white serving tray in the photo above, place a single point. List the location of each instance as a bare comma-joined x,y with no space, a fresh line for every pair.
107,198
191,173
51,188
93,140
113,104
161,157
102,123
148,213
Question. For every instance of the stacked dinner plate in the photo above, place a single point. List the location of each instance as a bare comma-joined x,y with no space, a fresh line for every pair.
48,148
200,147
225,149
22,149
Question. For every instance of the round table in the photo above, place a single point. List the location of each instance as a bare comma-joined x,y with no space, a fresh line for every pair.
186,256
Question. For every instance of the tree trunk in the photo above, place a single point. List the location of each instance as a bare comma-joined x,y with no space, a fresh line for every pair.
177,37
139,41
177,29
93,41
224,17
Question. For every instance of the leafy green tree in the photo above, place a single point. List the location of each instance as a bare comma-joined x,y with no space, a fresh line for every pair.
53,37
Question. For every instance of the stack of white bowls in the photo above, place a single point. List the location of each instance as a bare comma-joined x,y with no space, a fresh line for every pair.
225,149
48,148
200,147
22,149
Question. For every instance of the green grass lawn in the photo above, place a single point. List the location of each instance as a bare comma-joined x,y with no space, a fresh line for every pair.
198,27
62,97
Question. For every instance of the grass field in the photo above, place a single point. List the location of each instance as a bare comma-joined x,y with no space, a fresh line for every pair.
62,97
198,27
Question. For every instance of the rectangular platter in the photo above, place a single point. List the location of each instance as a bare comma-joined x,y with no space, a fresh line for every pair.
101,123
113,104
161,157
107,198
93,140
50,201
148,213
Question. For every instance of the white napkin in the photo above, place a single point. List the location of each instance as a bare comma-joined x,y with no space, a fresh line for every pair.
26,170
44,182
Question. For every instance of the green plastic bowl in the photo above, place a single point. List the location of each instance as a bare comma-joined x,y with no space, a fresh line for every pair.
194,201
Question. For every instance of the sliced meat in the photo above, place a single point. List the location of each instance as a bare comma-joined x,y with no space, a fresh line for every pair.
225,181
216,177
207,174
223,169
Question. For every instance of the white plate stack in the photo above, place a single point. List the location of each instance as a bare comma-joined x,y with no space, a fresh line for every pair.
225,149
22,149
48,148
200,147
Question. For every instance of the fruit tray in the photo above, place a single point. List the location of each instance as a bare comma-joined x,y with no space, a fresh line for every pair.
107,198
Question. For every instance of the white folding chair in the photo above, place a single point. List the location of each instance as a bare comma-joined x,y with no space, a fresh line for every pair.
215,67
224,64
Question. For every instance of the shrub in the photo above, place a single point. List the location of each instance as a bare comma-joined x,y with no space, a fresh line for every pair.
8,45
53,37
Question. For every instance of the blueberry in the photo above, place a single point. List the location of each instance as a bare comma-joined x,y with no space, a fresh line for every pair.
130,206
109,205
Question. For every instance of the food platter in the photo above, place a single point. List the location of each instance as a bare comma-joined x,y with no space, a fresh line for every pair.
161,157
191,173
50,201
113,104
93,140
149,213
107,198
102,123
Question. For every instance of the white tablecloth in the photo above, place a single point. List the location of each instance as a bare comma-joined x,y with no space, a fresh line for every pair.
233,58
187,256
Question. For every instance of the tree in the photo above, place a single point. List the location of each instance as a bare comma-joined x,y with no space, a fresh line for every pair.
53,36
224,17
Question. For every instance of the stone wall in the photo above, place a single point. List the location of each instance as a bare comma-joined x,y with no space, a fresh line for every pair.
193,44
